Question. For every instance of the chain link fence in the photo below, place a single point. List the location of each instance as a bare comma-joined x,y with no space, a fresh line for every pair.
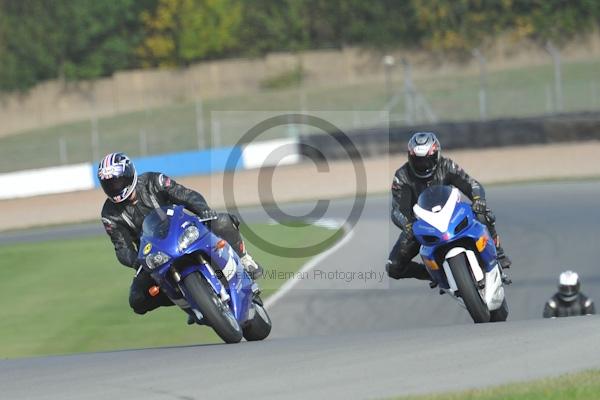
559,86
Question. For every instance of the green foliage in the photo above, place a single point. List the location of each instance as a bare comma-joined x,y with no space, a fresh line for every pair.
269,25
86,39
179,32
70,39
459,26
307,24
577,386
556,20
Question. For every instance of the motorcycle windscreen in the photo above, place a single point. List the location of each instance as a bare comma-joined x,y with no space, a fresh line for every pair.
434,198
157,223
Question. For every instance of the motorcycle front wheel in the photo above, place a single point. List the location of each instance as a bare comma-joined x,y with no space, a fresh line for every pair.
217,314
468,290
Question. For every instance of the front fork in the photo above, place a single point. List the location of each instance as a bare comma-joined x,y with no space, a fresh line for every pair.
208,273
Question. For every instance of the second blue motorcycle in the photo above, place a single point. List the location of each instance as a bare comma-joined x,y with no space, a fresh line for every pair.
459,253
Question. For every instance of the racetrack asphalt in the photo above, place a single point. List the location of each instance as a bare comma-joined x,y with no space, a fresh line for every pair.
341,334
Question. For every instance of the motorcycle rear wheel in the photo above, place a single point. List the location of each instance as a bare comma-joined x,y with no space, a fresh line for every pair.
468,290
217,314
259,327
501,314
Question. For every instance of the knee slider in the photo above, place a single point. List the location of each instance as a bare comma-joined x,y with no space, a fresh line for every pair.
137,303
394,270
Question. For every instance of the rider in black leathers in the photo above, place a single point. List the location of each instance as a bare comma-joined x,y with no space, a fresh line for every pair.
568,301
131,198
426,167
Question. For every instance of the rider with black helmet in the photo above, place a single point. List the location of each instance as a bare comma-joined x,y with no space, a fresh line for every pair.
426,167
568,301
131,198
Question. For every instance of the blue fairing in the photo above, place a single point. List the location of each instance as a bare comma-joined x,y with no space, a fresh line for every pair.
464,230
162,234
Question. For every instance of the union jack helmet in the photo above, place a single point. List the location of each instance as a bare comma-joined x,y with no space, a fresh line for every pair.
117,176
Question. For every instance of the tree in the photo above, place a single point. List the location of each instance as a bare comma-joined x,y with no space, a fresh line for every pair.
100,37
556,20
28,46
179,32
73,40
458,26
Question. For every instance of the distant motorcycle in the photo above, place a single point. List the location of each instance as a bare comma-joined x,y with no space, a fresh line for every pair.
459,253
202,274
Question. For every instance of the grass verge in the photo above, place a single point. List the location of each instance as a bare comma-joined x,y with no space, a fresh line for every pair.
579,386
71,296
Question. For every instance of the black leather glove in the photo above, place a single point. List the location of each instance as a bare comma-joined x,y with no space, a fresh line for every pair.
479,206
235,220
208,214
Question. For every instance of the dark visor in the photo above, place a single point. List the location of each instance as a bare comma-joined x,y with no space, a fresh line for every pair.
114,186
424,165
568,290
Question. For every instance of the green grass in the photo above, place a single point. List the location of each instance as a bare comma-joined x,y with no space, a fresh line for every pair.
580,386
71,296
511,92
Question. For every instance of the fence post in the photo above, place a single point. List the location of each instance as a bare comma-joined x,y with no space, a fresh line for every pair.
62,150
95,137
594,94
215,133
409,100
388,65
143,142
549,101
356,123
555,54
200,124
303,109
482,84
292,128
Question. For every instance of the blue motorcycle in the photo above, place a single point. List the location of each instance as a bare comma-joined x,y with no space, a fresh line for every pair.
459,253
202,274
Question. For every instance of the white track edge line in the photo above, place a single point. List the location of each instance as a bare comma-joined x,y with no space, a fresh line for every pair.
290,283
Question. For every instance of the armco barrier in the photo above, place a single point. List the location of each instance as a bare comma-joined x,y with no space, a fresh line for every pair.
270,153
69,178
458,135
185,164
72,178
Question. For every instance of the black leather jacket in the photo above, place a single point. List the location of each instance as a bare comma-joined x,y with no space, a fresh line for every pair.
557,307
123,221
406,188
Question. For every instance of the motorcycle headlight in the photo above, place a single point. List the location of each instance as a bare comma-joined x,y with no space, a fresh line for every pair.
189,236
156,259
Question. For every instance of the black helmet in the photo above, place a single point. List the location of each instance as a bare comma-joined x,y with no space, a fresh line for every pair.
117,176
568,286
423,154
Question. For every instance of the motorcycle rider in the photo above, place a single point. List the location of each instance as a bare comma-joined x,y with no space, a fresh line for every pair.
568,301
131,198
426,167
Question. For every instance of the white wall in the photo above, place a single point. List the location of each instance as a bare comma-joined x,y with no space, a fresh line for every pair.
34,182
